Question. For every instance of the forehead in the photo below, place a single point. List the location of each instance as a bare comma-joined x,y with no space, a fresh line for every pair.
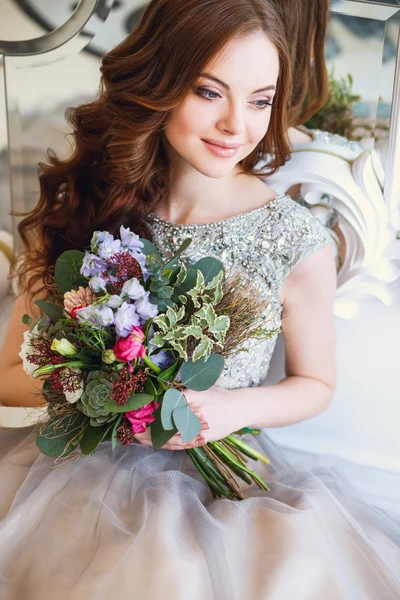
249,61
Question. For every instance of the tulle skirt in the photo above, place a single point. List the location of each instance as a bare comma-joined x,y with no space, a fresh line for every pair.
140,524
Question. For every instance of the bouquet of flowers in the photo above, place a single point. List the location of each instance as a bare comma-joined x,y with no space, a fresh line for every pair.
123,335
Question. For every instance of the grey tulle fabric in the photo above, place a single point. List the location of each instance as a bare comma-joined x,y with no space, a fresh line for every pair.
141,524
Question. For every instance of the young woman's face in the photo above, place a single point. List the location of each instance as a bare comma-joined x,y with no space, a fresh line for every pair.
228,111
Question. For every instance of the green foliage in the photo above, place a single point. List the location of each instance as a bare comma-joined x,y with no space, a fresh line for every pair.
159,435
187,423
336,116
203,327
202,374
60,436
67,271
135,401
53,311
93,436
172,399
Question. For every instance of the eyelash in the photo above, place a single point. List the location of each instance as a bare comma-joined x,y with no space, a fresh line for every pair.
204,91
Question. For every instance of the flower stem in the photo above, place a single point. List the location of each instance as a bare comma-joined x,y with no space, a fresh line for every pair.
147,361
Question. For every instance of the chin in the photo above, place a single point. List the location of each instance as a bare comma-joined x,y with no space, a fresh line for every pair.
214,170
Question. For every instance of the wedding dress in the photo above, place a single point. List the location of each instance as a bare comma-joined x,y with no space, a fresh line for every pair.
138,523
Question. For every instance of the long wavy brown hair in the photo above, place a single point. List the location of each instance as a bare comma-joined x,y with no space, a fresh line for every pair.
305,23
117,171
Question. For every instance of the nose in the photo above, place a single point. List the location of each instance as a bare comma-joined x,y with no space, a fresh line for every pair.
232,121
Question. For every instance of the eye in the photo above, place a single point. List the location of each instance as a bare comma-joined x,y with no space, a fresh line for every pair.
206,93
262,104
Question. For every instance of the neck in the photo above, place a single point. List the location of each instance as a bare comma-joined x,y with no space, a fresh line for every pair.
193,196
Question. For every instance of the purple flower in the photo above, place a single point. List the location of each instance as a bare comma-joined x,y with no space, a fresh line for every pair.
108,248
130,240
114,301
104,315
92,265
133,289
87,313
125,318
98,237
162,359
97,283
145,308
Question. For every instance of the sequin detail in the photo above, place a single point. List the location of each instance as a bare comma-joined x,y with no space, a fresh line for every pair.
263,245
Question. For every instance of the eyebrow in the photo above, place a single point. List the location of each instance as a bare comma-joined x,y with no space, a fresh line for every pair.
226,86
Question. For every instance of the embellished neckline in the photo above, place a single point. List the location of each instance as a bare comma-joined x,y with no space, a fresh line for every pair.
156,219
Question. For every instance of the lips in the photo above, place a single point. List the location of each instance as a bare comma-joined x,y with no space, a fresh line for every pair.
221,149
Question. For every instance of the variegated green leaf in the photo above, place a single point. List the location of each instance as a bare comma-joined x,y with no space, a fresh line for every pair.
171,317
181,313
215,281
162,322
183,299
180,347
218,294
181,275
221,324
158,340
203,350
194,330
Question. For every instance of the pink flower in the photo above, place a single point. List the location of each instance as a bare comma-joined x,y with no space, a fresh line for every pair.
126,349
142,416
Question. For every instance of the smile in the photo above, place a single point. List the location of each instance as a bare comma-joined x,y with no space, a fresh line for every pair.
221,149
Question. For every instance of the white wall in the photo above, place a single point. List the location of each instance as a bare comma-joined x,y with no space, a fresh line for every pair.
363,421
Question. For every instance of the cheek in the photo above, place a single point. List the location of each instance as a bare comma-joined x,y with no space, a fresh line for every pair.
189,119
257,129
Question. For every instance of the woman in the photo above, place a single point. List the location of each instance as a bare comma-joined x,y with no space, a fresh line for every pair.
170,148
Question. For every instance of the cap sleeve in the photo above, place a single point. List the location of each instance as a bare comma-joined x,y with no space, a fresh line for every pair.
295,234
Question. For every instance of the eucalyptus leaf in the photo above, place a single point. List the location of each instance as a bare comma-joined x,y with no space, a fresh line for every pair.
53,311
202,374
26,319
172,399
149,247
210,267
67,271
93,436
135,401
187,423
159,435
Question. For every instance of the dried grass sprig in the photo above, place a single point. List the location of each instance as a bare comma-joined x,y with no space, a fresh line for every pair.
249,312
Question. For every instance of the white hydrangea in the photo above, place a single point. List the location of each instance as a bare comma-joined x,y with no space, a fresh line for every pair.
27,350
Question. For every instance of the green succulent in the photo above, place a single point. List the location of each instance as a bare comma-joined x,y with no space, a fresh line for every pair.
94,397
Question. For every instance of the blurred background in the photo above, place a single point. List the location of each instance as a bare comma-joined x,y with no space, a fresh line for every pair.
43,71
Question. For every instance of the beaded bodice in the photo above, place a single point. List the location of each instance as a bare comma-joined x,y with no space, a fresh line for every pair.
263,245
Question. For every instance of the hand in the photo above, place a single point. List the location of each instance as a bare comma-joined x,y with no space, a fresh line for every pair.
220,411
175,443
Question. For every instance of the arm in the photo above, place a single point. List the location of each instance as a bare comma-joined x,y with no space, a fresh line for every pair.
308,331
17,389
